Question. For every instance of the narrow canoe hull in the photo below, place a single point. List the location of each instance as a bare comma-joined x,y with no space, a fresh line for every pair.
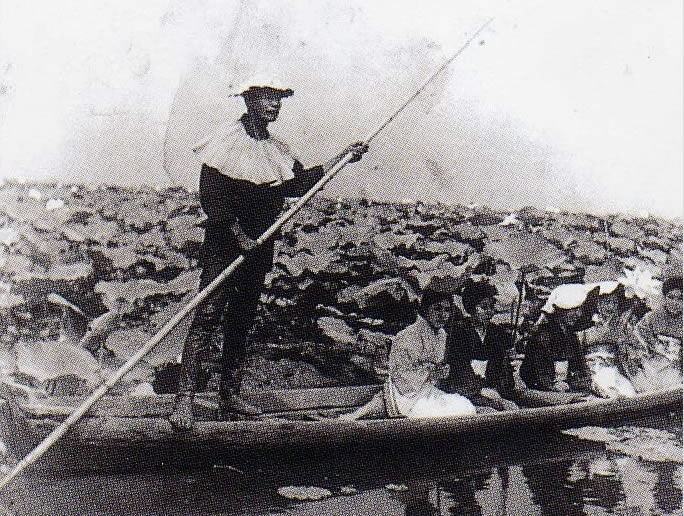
137,425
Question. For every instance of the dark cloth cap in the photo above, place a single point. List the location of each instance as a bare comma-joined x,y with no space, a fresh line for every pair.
475,292
672,283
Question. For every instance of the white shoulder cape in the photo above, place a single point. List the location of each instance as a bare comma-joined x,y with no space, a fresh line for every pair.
235,154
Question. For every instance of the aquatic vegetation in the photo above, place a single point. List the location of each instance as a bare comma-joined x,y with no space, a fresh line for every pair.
304,493
347,272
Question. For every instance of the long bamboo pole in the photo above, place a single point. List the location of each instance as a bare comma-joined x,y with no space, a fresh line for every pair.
79,412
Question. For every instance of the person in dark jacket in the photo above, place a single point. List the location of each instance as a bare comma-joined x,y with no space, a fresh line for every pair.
245,177
554,358
478,352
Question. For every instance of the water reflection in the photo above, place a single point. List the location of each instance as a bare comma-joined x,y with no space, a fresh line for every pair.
554,475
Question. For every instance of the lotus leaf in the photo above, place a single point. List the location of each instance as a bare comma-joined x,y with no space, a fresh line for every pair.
655,255
126,343
121,257
304,493
589,252
674,259
319,242
523,251
173,259
532,216
9,300
629,230
421,265
380,291
622,246
73,235
560,237
337,330
469,233
139,216
579,221
184,229
304,261
349,294
354,235
44,360
151,239
453,249
656,242
140,289
9,236
609,270
391,240
447,278
18,267
495,233
485,217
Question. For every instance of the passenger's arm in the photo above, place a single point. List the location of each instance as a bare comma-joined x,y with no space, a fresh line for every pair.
579,376
645,331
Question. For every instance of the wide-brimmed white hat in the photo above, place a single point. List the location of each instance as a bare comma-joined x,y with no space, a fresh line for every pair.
257,82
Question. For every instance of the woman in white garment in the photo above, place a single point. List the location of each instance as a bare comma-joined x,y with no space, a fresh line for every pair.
603,342
654,361
416,365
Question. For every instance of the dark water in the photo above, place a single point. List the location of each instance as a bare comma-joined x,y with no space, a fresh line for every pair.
553,474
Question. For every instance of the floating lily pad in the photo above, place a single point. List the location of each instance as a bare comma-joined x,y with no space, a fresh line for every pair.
589,252
524,250
337,330
304,493
135,290
390,240
622,246
45,359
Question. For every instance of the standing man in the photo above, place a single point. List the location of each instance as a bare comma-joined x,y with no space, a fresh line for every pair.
246,176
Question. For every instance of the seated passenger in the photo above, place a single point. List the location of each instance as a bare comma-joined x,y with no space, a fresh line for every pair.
655,362
478,352
416,365
554,359
603,342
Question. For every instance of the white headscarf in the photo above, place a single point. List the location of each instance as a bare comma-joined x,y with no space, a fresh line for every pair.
605,287
567,296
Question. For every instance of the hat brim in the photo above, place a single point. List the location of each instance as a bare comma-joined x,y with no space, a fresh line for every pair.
276,92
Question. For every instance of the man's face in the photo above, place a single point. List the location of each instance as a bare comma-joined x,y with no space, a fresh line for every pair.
438,314
484,310
570,317
264,104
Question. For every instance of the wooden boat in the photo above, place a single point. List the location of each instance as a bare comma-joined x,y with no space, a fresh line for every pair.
136,424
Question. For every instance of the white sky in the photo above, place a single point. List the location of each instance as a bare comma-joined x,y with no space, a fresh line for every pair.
571,104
